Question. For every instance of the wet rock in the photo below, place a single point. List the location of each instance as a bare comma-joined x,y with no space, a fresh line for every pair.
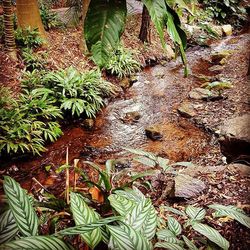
153,133
122,163
235,138
151,61
204,94
227,29
88,124
197,170
186,110
126,83
241,169
219,56
131,117
187,186
217,69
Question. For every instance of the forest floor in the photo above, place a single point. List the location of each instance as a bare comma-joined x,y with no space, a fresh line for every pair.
159,93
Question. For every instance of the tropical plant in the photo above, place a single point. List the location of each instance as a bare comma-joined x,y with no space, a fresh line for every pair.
122,64
134,227
226,11
80,93
33,79
108,18
33,60
28,37
28,122
49,18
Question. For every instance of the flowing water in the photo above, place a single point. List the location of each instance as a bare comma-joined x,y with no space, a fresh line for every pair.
155,96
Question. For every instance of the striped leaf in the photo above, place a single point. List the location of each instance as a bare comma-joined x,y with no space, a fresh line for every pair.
84,215
189,243
233,212
195,213
170,246
174,225
211,234
8,227
132,194
37,243
143,218
173,210
104,25
121,204
21,208
164,233
82,229
125,237
173,240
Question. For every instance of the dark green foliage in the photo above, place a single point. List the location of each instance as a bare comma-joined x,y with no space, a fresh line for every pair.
80,93
49,18
122,64
225,11
28,38
27,122
34,60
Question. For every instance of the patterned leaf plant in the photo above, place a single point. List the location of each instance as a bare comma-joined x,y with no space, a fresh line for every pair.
21,207
84,215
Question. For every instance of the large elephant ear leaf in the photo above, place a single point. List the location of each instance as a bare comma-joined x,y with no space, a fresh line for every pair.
21,207
104,24
84,215
157,11
8,227
177,35
36,242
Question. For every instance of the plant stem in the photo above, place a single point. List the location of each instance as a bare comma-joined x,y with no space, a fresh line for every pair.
67,176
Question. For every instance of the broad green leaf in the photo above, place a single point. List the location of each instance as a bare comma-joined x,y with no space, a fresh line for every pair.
177,34
143,218
121,204
125,237
164,233
37,243
173,210
157,10
170,246
145,161
21,207
189,243
142,153
8,227
233,212
104,24
195,213
211,234
132,194
174,225
81,229
84,215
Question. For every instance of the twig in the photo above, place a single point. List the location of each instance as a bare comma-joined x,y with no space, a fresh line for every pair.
67,176
40,184
75,166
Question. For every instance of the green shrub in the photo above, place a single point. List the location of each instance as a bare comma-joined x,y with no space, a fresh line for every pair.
28,38
80,93
33,60
28,122
49,18
225,11
33,79
122,64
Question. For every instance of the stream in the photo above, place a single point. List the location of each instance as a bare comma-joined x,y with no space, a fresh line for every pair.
154,97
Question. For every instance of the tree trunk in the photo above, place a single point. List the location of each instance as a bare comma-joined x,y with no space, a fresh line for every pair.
10,45
85,6
145,26
28,15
